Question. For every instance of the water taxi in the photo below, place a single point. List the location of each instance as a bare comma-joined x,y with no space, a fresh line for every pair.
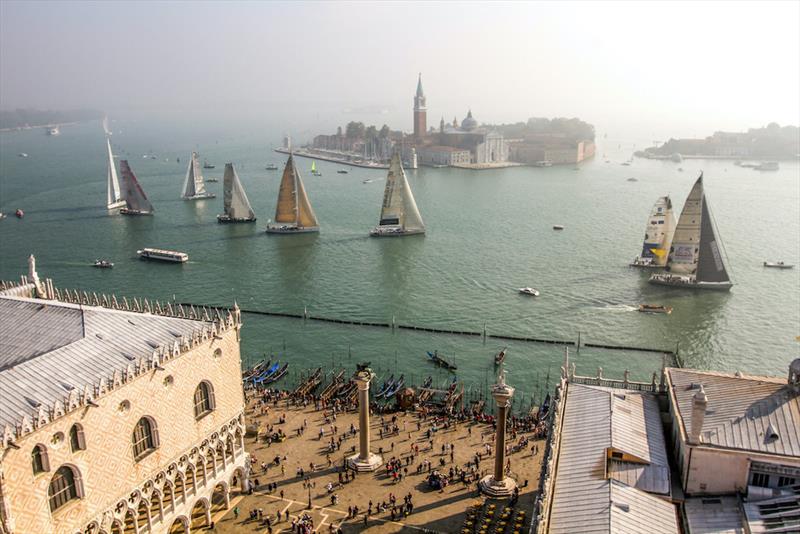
163,255
529,291
778,265
558,227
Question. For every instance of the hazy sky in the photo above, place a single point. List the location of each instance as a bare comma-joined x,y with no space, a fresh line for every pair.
684,67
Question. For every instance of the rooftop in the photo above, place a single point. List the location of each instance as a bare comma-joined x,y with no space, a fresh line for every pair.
753,413
612,457
50,348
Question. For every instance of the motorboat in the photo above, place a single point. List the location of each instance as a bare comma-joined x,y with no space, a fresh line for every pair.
207,165
272,167
103,264
529,291
23,154
19,213
543,163
778,265
500,356
768,166
655,308
342,171
367,181
558,227
632,180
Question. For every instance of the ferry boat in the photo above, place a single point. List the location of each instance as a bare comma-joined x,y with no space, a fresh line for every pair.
655,308
778,265
163,255
529,291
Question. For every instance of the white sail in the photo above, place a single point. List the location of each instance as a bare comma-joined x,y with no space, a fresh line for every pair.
658,233
194,186
686,240
237,206
293,210
114,198
399,210
133,193
105,125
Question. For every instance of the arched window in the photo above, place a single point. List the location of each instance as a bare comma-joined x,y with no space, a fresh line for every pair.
145,438
76,440
64,487
203,399
39,459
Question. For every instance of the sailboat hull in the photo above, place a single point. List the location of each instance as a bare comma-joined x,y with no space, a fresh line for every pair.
688,282
224,219
393,231
133,212
202,196
289,229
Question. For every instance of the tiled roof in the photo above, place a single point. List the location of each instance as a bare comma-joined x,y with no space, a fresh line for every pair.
48,348
741,410
584,500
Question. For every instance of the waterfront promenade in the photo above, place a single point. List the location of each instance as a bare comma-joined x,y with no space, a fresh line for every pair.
417,443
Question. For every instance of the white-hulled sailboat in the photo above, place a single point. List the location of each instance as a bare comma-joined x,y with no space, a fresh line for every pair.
237,207
114,197
399,213
695,256
657,235
193,187
293,214
136,202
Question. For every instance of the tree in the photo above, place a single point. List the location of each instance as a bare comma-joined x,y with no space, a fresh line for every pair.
355,130
384,133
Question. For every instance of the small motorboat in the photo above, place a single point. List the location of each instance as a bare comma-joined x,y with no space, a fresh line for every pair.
103,264
655,308
342,171
367,181
500,356
2,215
23,154
632,180
529,291
207,165
19,213
558,227
213,180
778,265
272,167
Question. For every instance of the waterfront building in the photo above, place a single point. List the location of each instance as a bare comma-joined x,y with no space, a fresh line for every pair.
117,415
438,155
735,453
556,150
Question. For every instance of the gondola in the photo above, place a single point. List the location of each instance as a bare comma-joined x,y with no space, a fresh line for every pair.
441,362
500,356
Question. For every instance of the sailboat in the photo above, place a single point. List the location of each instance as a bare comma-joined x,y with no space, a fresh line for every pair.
399,213
293,214
695,256
114,198
314,170
136,202
657,235
105,125
237,207
193,186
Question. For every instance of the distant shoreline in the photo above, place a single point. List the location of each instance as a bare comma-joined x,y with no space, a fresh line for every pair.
35,126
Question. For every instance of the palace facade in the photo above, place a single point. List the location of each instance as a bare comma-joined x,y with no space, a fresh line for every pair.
117,415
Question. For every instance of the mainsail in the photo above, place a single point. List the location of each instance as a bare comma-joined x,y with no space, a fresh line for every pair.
194,186
399,207
293,206
237,207
105,125
695,247
114,198
133,193
658,235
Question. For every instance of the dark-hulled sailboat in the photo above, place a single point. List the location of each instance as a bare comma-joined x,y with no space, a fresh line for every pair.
399,212
293,214
237,207
696,259
136,202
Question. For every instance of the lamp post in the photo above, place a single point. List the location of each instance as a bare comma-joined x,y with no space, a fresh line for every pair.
497,484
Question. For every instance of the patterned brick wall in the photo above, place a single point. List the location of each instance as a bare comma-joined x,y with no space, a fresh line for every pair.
107,468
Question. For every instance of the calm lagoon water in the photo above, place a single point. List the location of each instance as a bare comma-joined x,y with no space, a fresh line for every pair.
489,232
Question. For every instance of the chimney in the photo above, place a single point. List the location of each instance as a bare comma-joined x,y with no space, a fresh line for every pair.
699,405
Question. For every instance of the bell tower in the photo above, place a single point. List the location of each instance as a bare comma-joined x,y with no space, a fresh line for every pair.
420,112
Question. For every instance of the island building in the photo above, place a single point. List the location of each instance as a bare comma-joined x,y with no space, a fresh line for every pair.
691,452
535,148
118,415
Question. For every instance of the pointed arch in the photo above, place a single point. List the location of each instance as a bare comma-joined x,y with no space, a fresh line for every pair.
180,486
143,516
180,525
65,486
156,507
200,514
130,523
40,462
220,499
168,497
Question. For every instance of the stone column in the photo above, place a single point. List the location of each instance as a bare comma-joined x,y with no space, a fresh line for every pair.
364,460
497,484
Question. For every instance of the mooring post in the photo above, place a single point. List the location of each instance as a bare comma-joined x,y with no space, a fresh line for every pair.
579,342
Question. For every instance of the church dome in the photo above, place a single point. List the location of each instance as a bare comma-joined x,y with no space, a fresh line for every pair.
469,123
